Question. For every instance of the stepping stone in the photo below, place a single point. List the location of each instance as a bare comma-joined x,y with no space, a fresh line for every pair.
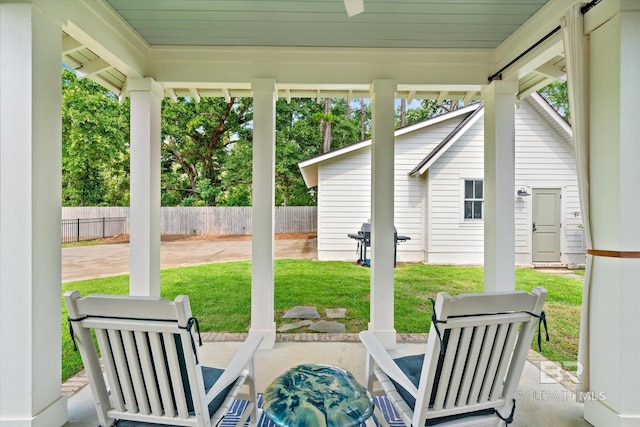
302,312
328,326
336,313
296,325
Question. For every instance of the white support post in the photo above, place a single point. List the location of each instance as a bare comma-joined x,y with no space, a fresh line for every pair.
614,152
30,201
382,211
499,185
144,217
263,211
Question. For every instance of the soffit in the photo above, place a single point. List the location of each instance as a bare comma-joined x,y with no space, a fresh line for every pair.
410,25
324,23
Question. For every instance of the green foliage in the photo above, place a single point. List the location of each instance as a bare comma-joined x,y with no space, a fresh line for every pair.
557,96
220,296
206,157
196,141
429,108
95,145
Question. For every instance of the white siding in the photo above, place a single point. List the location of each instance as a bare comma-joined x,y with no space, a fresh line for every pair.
452,240
543,160
344,194
429,208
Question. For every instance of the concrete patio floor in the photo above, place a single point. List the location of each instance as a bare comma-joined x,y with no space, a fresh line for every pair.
540,400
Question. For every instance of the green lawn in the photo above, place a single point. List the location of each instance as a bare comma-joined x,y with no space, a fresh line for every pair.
220,296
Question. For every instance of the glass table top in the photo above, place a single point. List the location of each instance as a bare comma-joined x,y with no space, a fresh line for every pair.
313,395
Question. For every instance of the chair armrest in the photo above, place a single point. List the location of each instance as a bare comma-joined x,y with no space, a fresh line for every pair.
242,358
376,350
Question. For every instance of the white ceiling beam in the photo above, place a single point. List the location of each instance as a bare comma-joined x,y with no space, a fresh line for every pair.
540,25
534,87
106,84
124,91
92,67
70,45
411,95
467,97
227,94
99,28
195,94
553,71
172,94
441,97
542,54
319,67
534,29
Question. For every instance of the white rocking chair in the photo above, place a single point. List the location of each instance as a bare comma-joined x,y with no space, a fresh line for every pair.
468,376
151,363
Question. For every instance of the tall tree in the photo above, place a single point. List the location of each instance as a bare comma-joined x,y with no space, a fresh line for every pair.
95,144
195,141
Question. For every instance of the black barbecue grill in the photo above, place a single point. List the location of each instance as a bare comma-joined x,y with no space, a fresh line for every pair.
363,237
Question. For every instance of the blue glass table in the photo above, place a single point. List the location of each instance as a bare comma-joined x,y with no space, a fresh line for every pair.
314,395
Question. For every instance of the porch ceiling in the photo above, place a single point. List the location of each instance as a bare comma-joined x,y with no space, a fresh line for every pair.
438,49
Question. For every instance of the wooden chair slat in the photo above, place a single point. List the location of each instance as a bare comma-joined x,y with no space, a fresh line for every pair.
110,369
460,364
494,362
176,374
148,374
483,360
162,374
510,340
124,379
150,363
133,363
485,338
447,366
472,364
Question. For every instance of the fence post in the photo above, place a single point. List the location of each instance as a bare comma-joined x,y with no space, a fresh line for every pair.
78,230
103,221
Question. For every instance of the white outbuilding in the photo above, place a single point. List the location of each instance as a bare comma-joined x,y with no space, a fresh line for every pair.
439,190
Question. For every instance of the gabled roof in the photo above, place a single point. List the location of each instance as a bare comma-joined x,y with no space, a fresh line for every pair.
309,167
472,113
448,141
555,120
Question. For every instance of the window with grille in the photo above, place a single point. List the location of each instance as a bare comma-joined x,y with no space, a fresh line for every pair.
473,198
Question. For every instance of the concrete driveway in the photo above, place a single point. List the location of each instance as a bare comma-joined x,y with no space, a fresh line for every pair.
88,262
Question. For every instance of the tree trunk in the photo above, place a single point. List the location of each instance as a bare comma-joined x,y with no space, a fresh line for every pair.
327,126
403,112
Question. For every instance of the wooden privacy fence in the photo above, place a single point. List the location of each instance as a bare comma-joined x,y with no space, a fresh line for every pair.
234,220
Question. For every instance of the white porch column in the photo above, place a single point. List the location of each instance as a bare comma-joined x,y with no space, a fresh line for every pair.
615,203
144,215
263,211
30,201
382,204
499,185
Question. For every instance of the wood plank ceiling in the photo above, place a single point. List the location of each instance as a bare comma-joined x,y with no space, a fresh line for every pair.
422,24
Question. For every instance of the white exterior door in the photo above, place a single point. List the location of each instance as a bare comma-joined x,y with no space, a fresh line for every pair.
546,225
